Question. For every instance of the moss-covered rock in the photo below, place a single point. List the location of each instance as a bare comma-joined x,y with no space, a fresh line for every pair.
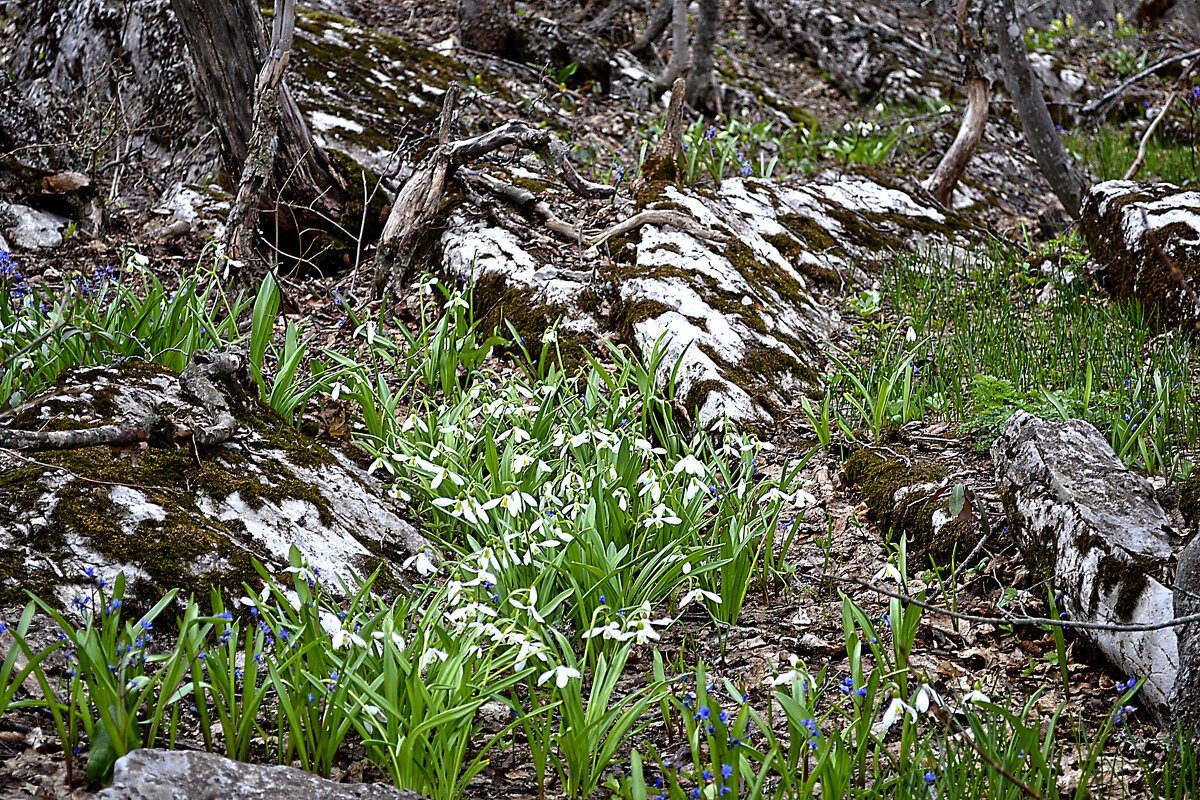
1146,237
176,514
907,497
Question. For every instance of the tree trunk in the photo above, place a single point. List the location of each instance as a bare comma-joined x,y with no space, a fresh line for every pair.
485,25
679,48
658,24
701,91
1026,91
228,44
1187,603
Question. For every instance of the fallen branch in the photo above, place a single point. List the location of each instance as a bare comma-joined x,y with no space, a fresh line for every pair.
1141,151
1108,98
662,164
523,198
200,380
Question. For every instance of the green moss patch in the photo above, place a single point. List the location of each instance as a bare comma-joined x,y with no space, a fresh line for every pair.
880,477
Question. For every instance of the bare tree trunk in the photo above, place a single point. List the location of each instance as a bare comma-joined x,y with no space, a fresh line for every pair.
679,48
228,45
1026,91
943,180
485,25
701,91
658,24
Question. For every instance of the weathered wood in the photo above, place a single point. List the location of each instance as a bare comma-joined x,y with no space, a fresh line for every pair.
662,164
679,48
229,47
242,222
701,89
421,196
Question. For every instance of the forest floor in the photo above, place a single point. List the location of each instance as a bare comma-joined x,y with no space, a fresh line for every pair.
832,538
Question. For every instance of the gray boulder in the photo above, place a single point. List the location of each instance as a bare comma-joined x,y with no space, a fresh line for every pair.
179,775
30,228
179,481
1146,238
1096,530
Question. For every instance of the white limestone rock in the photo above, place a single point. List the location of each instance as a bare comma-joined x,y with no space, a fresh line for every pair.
1137,232
1097,530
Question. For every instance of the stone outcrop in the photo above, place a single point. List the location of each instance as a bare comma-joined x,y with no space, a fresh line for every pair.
172,505
180,775
1146,238
741,316
1093,527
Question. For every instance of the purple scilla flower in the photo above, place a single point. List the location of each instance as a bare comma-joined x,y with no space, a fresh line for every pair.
706,775
726,770
930,777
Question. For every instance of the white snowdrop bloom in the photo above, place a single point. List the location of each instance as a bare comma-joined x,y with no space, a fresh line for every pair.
696,594
786,678
456,301
529,649
894,710
550,336
944,109
879,108
911,334
421,563
561,673
926,696
611,631
911,129
805,499
650,484
694,487
517,501
646,447
559,439
621,495
691,465
530,606
397,640
431,655
579,438
344,637
643,631
888,571
662,515
470,611
439,473
976,696
457,507
521,462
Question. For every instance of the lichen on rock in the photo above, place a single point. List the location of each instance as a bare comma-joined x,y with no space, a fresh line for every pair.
176,514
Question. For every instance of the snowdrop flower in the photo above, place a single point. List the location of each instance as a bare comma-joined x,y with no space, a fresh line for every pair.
805,499
611,631
944,110
561,673
527,649
440,473
521,461
879,108
422,563
343,635
888,571
643,631
662,515
925,696
431,655
786,678
897,706
976,696
578,439
911,334
691,465
697,593
694,488
646,447
138,260
516,502
531,606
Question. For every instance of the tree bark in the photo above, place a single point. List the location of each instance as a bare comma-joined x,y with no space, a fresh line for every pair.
228,44
485,25
654,29
679,48
1026,92
943,180
701,91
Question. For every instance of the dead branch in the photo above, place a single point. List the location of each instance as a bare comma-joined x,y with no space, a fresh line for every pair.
202,380
264,137
1141,151
1108,98
679,49
421,195
525,199
657,24
950,169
